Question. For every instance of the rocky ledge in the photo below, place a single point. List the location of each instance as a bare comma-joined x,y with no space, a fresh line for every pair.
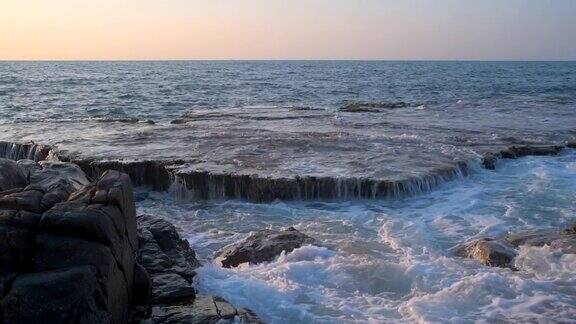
490,159
73,251
501,251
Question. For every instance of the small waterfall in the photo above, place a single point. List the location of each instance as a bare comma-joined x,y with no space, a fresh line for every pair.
203,185
31,151
152,174
190,184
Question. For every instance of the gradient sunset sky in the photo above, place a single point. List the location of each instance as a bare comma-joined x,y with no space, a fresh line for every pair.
291,29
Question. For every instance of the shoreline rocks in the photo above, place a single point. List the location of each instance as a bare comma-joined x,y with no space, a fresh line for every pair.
72,251
262,246
171,262
67,258
374,106
500,252
490,159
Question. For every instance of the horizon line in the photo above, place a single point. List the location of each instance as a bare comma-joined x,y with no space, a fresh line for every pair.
283,59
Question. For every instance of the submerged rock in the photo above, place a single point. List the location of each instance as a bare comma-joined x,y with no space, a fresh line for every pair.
500,252
373,106
262,246
564,241
490,252
489,159
515,152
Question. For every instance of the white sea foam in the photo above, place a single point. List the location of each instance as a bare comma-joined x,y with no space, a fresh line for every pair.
390,261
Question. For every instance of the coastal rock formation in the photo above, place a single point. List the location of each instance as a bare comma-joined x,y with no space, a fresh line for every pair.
30,151
490,252
262,246
167,258
189,182
374,106
203,309
500,252
193,184
171,262
563,240
67,257
489,159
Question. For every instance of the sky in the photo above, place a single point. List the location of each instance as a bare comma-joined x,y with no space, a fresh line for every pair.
288,29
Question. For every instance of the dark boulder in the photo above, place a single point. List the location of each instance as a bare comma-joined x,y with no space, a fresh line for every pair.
489,161
70,295
163,250
490,252
11,176
74,262
564,241
202,310
262,246
170,262
374,106
515,152
500,252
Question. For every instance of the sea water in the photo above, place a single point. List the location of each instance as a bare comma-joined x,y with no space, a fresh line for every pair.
380,260
391,260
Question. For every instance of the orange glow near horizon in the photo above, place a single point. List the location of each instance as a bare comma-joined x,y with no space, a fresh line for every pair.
274,29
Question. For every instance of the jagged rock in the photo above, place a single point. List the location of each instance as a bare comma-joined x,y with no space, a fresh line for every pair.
141,290
76,262
61,296
373,106
202,309
515,152
262,246
51,176
11,176
29,200
490,252
562,240
489,161
46,184
162,250
171,262
170,287
167,258
501,252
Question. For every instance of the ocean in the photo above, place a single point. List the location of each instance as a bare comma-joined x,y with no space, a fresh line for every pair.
380,161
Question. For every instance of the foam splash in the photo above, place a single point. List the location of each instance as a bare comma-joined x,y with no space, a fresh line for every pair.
390,261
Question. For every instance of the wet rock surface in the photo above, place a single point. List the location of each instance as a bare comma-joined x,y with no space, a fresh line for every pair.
490,252
167,258
490,159
67,256
375,106
170,262
202,309
262,246
500,252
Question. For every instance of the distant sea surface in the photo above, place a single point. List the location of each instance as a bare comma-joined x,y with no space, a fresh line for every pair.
383,259
39,91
